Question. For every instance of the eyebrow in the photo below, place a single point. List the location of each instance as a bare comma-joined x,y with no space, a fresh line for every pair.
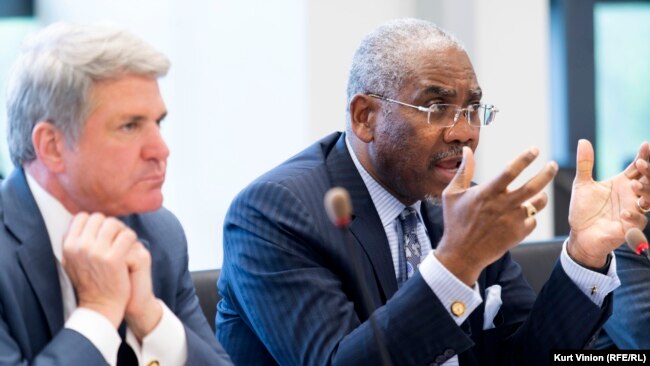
438,90
139,118
444,92
475,93
162,117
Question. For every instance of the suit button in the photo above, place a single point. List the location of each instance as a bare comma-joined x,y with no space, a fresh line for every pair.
441,359
449,353
153,363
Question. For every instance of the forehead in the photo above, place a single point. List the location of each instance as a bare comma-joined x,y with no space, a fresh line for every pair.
446,72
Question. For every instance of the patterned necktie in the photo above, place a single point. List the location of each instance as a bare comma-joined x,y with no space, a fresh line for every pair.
410,249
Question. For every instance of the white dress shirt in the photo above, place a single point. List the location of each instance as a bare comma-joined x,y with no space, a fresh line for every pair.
167,341
447,287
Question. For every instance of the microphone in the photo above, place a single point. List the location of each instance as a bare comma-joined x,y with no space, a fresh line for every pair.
338,206
637,242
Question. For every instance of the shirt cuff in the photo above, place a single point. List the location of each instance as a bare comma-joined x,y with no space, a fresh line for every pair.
166,343
99,331
459,299
593,284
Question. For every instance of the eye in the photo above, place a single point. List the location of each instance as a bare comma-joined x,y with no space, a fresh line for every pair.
438,107
130,126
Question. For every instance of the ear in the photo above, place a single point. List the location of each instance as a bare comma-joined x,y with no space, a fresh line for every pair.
49,144
363,115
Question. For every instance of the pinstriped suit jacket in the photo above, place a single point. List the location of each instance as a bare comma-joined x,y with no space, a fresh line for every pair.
291,296
31,308
628,327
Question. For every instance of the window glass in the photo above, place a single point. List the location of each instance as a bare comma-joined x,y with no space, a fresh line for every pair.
622,67
12,33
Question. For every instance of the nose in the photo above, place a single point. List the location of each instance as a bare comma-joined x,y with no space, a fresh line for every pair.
155,147
461,131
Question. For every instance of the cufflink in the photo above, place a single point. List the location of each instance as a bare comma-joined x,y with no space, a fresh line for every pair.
458,308
153,363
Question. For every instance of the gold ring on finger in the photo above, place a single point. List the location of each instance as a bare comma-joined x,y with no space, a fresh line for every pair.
643,210
530,209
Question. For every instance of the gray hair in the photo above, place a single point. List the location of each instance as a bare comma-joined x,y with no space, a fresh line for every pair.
384,59
52,78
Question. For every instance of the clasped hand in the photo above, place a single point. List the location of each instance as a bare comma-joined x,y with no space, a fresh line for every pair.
111,272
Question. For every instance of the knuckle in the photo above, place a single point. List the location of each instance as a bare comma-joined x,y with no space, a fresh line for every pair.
97,216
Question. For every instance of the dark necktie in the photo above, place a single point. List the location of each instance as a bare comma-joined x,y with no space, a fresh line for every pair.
409,244
126,356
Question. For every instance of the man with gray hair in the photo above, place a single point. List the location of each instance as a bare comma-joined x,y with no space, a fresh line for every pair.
93,270
420,273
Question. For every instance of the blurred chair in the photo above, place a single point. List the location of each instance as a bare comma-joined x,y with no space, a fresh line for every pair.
205,284
536,259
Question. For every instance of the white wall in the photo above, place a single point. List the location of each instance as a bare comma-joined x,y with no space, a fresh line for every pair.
253,82
508,42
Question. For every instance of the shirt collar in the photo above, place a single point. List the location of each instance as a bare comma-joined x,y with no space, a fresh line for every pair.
57,219
386,204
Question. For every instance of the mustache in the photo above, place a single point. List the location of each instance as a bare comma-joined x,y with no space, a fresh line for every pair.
454,151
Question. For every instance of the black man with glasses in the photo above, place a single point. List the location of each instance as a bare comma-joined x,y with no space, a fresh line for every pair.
420,273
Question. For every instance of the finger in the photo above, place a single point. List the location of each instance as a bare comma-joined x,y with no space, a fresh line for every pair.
539,201
512,171
465,173
137,257
71,238
634,219
76,227
92,226
124,242
643,191
644,168
536,183
584,161
632,171
108,231
529,225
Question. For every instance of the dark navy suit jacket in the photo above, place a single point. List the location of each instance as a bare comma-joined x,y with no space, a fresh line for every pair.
291,296
629,326
31,308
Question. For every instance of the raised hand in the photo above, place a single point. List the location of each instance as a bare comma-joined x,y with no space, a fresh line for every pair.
484,221
94,257
600,213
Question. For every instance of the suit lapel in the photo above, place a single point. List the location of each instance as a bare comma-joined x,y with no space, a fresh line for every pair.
23,218
432,217
366,225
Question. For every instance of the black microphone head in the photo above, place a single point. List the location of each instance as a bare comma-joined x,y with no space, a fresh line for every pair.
636,240
338,206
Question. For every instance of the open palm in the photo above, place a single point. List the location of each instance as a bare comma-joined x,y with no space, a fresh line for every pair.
601,212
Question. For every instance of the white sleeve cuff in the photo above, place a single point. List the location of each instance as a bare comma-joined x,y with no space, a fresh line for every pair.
450,290
593,284
99,331
167,342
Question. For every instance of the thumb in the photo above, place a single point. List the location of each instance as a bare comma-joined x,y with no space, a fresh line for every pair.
465,172
584,161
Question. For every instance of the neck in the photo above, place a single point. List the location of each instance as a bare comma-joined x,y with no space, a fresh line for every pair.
51,184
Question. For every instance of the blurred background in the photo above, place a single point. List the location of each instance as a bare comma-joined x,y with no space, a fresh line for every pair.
255,81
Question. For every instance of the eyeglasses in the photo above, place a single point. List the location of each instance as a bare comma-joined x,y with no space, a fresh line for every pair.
440,115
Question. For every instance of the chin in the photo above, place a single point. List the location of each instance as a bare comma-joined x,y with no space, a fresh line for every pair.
148,204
